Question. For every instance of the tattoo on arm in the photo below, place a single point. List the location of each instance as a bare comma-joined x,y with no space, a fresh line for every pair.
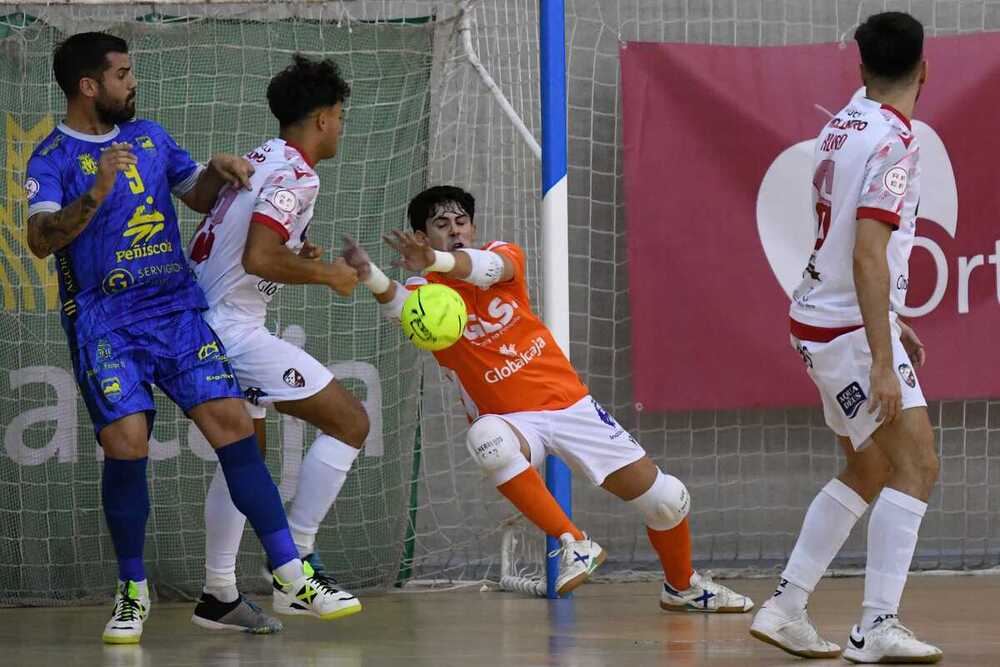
51,232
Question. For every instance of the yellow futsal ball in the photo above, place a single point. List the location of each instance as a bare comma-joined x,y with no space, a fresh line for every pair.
434,317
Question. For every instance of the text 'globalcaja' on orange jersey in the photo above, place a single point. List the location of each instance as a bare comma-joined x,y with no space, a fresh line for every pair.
507,361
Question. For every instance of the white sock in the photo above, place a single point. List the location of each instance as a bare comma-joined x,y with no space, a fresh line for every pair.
829,520
290,571
223,531
324,470
142,586
892,538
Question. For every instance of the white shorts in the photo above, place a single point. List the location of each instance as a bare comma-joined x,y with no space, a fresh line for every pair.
583,435
269,369
841,370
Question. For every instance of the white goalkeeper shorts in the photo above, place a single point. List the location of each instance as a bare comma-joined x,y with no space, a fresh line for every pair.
269,369
841,370
583,435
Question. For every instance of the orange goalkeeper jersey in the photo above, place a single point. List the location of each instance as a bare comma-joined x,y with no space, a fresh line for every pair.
507,361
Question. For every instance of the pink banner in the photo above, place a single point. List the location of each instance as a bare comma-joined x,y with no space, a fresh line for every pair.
718,159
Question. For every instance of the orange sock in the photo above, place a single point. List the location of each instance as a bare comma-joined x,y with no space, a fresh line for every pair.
674,549
528,493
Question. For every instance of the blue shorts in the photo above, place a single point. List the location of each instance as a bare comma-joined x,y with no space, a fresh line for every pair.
178,352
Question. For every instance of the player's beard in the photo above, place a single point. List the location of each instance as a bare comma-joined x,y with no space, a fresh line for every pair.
111,113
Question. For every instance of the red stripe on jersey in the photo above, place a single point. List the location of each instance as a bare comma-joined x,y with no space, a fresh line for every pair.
888,217
818,334
272,223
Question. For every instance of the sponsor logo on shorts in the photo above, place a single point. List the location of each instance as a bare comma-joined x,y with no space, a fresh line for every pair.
254,394
603,414
293,378
112,389
207,350
909,377
220,376
850,398
516,363
806,357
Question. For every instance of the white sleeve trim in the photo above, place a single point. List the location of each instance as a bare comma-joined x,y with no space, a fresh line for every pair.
185,186
44,207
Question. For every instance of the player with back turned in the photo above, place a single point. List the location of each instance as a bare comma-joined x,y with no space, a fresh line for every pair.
99,189
845,325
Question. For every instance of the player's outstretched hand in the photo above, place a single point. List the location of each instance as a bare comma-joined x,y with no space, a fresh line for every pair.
913,346
886,396
233,169
116,157
356,257
310,251
415,253
343,278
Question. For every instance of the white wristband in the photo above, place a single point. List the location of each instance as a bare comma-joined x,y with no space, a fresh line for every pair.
376,281
443,262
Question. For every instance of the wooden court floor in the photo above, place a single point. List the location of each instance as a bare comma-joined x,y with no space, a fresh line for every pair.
618,624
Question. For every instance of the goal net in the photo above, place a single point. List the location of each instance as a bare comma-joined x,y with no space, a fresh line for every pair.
415,507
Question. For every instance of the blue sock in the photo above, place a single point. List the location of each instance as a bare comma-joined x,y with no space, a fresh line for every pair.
255,495
126,505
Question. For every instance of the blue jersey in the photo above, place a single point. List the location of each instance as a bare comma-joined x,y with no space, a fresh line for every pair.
128,263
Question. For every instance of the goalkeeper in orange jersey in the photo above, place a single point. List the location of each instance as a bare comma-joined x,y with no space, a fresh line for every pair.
524,399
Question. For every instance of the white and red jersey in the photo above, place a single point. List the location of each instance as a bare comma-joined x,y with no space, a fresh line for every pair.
507,361
282,196
866,166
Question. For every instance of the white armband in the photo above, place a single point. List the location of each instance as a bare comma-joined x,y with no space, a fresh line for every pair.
376,281
487,267
443,263
394,309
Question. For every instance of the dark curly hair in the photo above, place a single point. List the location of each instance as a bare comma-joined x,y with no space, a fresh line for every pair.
891,45
424,203
303,87
84,54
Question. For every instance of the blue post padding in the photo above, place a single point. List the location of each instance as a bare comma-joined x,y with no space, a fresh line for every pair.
552,52
557,478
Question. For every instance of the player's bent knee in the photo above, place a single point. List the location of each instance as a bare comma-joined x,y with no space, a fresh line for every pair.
356,431
665,504
493,443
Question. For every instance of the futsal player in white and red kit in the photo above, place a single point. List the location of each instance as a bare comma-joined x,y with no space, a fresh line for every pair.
844,324
524,400
254,242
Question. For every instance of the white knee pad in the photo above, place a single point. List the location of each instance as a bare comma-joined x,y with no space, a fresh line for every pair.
665,503
495,447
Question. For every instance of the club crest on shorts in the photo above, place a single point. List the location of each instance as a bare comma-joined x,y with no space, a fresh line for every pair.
909,377
850,398
293,378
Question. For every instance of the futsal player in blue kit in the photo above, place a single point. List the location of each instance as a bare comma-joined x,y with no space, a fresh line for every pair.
99,192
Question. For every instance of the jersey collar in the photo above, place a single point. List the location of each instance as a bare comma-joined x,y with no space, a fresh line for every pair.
301,152
93,138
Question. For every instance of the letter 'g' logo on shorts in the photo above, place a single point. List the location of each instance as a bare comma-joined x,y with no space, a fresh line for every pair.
909,377
850,399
